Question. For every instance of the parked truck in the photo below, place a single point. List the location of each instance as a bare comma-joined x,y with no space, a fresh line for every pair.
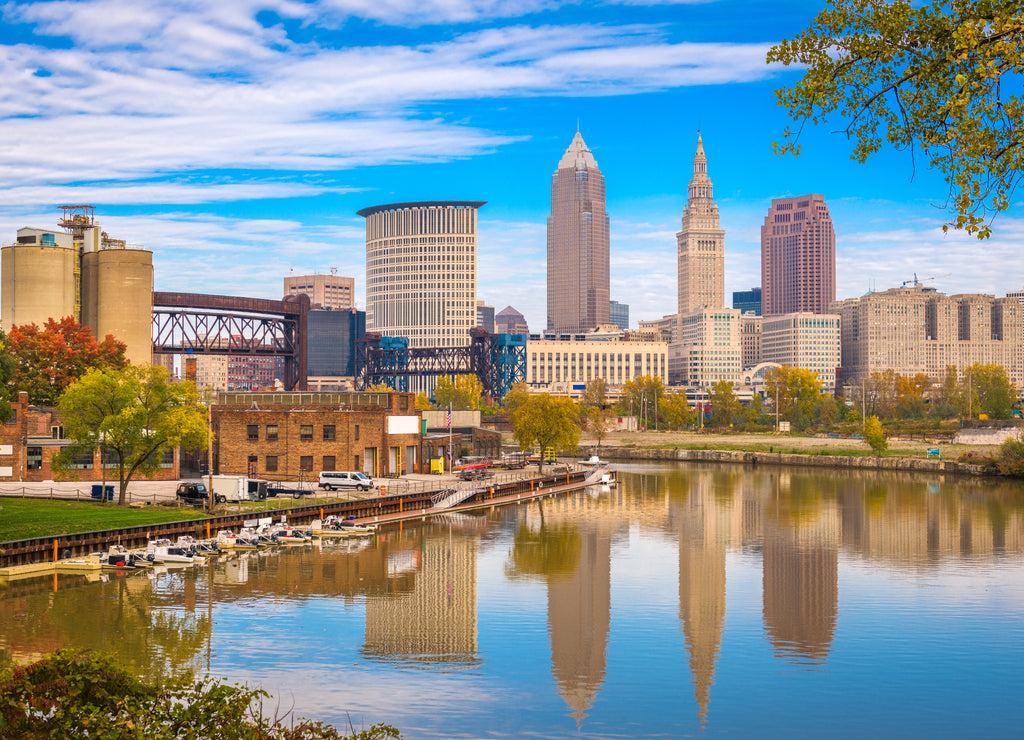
239,488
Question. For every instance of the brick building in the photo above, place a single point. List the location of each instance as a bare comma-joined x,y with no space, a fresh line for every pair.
294,436
33,435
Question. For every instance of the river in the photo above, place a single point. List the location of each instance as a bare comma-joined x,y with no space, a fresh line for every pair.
690,600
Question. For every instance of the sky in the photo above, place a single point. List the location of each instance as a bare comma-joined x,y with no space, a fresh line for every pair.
237,139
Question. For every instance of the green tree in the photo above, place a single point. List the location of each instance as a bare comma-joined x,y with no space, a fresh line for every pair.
724,404
874,435
642,397
422,402
796,391
463,392
6,373
516,396
950,400
993,392
548,422
912,392
135,414
81,694
941,77
595,395
677,412
882,394
1010,460
380,388
49,359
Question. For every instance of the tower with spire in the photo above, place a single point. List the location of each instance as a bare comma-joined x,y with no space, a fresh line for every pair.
701,243
578,278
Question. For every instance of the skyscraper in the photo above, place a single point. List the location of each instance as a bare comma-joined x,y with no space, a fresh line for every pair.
798,256
701,244
324,291
578,284
421,271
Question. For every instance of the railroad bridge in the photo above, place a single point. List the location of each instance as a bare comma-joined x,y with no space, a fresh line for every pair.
201,324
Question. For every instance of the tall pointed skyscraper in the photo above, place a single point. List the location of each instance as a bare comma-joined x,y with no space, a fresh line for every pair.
577,243
701,244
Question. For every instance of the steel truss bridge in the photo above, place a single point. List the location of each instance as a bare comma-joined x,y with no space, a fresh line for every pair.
194,323
497,360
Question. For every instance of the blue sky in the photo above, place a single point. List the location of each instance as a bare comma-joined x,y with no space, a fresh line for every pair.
237,139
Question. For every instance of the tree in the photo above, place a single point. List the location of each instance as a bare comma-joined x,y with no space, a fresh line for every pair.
677,412
724,404
642,397
1010,460
82,694
598,425
134,414
48,360
882,393
930,76
874,435
546,421
463,393
595,395
516,396
380,388
993,393
949,395
422,402
6,373
796,391
911,392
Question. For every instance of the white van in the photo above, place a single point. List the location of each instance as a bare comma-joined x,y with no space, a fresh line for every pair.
331,479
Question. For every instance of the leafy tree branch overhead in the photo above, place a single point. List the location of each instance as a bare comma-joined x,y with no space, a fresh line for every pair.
942,78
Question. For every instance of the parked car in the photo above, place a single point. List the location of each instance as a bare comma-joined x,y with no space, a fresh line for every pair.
332,479
194,493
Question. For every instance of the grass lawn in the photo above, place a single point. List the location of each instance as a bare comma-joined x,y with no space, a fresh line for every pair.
24,518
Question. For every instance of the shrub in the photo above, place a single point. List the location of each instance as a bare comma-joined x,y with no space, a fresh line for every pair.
1011,458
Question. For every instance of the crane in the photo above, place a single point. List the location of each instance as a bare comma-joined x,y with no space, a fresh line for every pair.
917,282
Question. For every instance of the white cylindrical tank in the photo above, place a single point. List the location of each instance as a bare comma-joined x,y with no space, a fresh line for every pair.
117,298
37,282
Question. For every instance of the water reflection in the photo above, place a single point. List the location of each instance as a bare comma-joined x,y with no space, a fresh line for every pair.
422,594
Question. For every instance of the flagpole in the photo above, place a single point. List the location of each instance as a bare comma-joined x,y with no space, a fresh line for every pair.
450,457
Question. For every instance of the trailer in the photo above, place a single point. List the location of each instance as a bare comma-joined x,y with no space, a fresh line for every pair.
239,488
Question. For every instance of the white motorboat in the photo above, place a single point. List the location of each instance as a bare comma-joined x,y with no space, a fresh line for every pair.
118,556
165,551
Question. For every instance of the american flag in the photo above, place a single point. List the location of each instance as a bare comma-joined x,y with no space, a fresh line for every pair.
448,417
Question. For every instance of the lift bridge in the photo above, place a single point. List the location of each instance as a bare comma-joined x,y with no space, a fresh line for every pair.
497,360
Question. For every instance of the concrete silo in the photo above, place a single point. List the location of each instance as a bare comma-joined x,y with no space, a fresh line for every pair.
117,298
38,278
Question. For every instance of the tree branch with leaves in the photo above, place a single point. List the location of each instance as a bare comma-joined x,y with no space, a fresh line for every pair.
943,78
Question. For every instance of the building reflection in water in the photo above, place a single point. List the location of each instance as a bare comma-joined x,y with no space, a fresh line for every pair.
419,582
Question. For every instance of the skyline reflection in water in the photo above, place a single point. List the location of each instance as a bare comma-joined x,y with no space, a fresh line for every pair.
744,601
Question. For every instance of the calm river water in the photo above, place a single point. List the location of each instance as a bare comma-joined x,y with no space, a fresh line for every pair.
691,600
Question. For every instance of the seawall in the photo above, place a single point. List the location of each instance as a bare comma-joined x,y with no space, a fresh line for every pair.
858,462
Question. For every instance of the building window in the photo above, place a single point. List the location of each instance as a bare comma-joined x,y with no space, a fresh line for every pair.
57,432
356,435
34,458
403,403
306,464
252,432
306,432
271,463
271,432
328,436
329,463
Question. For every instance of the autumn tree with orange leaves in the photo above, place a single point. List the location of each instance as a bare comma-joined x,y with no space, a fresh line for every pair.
49,359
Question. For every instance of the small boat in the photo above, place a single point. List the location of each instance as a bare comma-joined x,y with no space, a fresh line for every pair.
119,557
291,536
228,540
335,524
593,462
165,551
204,548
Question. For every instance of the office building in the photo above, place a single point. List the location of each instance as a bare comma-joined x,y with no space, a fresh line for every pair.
578,281
798,256
709,347
747,301
510,321
804,340
663,328
557,364
331,338
701,243
324,291
485,316
421,271
750,339
918,330
618,314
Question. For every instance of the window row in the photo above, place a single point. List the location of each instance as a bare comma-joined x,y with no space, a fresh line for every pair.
328,432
